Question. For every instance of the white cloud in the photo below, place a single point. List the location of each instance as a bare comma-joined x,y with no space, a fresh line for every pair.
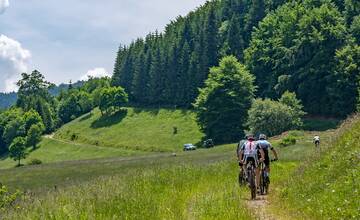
4,4
13,61
95,73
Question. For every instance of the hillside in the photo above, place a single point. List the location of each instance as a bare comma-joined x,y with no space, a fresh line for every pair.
326,187
144,130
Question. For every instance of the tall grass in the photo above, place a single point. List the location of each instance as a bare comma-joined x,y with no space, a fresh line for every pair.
185,192
327,187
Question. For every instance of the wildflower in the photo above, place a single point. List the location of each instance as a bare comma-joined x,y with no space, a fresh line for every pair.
309,200
333,190
338,209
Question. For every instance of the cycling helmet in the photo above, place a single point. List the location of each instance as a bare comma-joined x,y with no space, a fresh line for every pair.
250,137
262,137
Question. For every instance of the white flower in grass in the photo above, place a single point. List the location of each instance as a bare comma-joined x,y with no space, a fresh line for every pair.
333,190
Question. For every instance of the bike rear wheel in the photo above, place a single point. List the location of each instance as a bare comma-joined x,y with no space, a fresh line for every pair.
252,185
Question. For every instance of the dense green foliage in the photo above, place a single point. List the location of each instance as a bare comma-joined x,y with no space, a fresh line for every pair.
274,117
167,68
298,47
74,102
112,99
223,103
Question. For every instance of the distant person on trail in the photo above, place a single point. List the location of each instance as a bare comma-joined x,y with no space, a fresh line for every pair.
316,141
266,145
249,152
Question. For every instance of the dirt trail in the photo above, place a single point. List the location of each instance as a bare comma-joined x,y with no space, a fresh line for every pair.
260,208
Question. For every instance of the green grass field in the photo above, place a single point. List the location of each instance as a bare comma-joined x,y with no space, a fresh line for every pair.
193,185
326,187
80,180
140,130
52,150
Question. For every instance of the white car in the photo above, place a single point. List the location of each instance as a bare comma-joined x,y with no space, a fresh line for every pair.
188,147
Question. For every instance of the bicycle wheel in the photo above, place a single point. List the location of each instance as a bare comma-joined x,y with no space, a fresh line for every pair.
252,185
241,178
262,182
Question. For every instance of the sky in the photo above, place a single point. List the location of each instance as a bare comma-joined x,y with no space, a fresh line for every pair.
71,39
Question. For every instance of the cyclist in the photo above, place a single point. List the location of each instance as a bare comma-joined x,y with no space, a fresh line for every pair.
265,145
241,165
249,152
316,140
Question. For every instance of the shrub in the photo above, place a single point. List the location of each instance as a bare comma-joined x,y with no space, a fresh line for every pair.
35,162
288,141
7,199
274,117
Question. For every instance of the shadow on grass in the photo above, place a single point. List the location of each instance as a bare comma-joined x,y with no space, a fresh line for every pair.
151,111
320,124
4,156
109,120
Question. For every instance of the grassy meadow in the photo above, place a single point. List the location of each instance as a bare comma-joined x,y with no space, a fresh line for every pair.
192,185
80,180
53,150
326,186
148,130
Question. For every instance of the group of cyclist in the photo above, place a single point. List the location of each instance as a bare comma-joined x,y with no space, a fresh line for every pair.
256,151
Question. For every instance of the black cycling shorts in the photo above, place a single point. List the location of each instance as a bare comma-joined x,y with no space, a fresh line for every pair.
254,160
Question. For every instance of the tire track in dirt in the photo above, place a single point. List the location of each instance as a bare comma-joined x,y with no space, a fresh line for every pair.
259,207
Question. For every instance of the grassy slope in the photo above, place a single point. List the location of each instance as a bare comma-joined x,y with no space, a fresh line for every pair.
119,135
326,187
52,150
142,130
198,185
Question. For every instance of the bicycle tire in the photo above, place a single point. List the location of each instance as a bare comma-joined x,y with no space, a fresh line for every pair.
252,184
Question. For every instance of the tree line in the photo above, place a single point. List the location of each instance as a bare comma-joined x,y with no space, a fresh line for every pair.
307,47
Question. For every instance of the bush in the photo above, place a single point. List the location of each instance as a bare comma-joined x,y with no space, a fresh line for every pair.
288,141
274,117
7,199
35,162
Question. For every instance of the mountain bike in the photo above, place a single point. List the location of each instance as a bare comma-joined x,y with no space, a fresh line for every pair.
250,176
264,179
242,176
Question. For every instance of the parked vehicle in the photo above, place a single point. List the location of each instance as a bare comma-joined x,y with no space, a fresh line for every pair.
188,147
208,143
